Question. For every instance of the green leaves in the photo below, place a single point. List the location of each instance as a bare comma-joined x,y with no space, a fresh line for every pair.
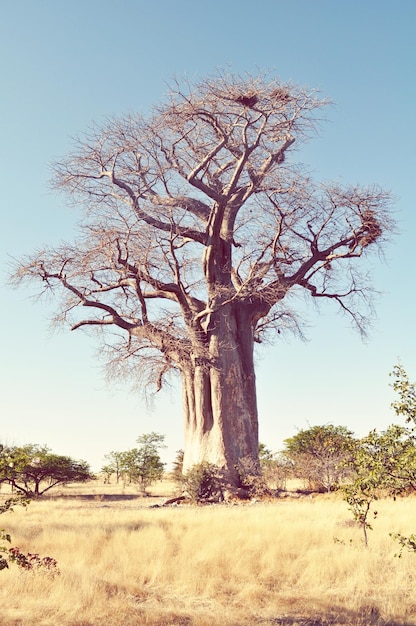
203,483
13,554
320,455
406,405
406,543
32,469
139,465
3,548
385,463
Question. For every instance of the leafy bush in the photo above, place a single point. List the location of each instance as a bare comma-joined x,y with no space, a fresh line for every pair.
203,483
252,479
385,462
320,455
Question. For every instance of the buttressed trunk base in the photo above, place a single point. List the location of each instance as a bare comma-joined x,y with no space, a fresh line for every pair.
219,402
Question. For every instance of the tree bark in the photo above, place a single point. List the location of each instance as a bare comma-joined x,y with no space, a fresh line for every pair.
202,179
219,396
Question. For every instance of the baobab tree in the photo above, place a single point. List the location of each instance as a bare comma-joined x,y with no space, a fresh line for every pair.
199,232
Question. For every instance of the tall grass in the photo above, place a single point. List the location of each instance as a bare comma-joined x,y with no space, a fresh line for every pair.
286,562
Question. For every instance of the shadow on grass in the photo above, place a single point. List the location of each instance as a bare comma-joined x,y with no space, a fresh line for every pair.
338,616
109,497
105,497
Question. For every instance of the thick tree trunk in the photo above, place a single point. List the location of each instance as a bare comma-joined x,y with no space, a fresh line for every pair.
219,395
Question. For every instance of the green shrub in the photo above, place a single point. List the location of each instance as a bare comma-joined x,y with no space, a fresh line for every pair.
203,483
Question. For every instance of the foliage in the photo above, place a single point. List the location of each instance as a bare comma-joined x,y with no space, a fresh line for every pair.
320,454
8,555
143,465
392,458
265,456
405,543
32,561
360,496
251,475
107,471
3,537
114,466
406,405
177,470
203,483
384,462
32,469
275,468
270,475
277,471
8,505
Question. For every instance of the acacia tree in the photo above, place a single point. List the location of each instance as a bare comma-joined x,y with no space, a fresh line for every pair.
33,470
198,229
114,465
143,465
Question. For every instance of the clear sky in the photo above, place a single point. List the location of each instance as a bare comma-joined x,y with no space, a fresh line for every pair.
67,64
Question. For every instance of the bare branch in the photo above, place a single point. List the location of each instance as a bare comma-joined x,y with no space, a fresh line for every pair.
199,226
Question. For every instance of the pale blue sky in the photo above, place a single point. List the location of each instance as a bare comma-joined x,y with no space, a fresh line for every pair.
67,64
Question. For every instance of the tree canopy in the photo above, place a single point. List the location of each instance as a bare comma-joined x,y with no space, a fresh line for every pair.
321,454
33,469
141,465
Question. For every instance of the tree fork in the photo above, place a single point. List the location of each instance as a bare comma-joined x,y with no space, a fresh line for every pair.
198,227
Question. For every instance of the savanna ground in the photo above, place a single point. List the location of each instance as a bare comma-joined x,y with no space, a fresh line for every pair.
287,562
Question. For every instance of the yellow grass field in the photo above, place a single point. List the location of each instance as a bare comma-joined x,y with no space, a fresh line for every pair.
289,562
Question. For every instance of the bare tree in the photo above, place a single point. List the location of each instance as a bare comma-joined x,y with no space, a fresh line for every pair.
199,232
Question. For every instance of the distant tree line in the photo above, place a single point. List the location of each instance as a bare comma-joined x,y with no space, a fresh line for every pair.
328,457
324,457
32,470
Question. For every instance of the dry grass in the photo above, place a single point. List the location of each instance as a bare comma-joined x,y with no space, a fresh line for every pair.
123,563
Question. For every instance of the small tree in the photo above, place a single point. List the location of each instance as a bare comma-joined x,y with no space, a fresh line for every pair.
265,456
114,465
363,490
143,465
33,470
319,455
385,462
107,470
406,406
177,470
